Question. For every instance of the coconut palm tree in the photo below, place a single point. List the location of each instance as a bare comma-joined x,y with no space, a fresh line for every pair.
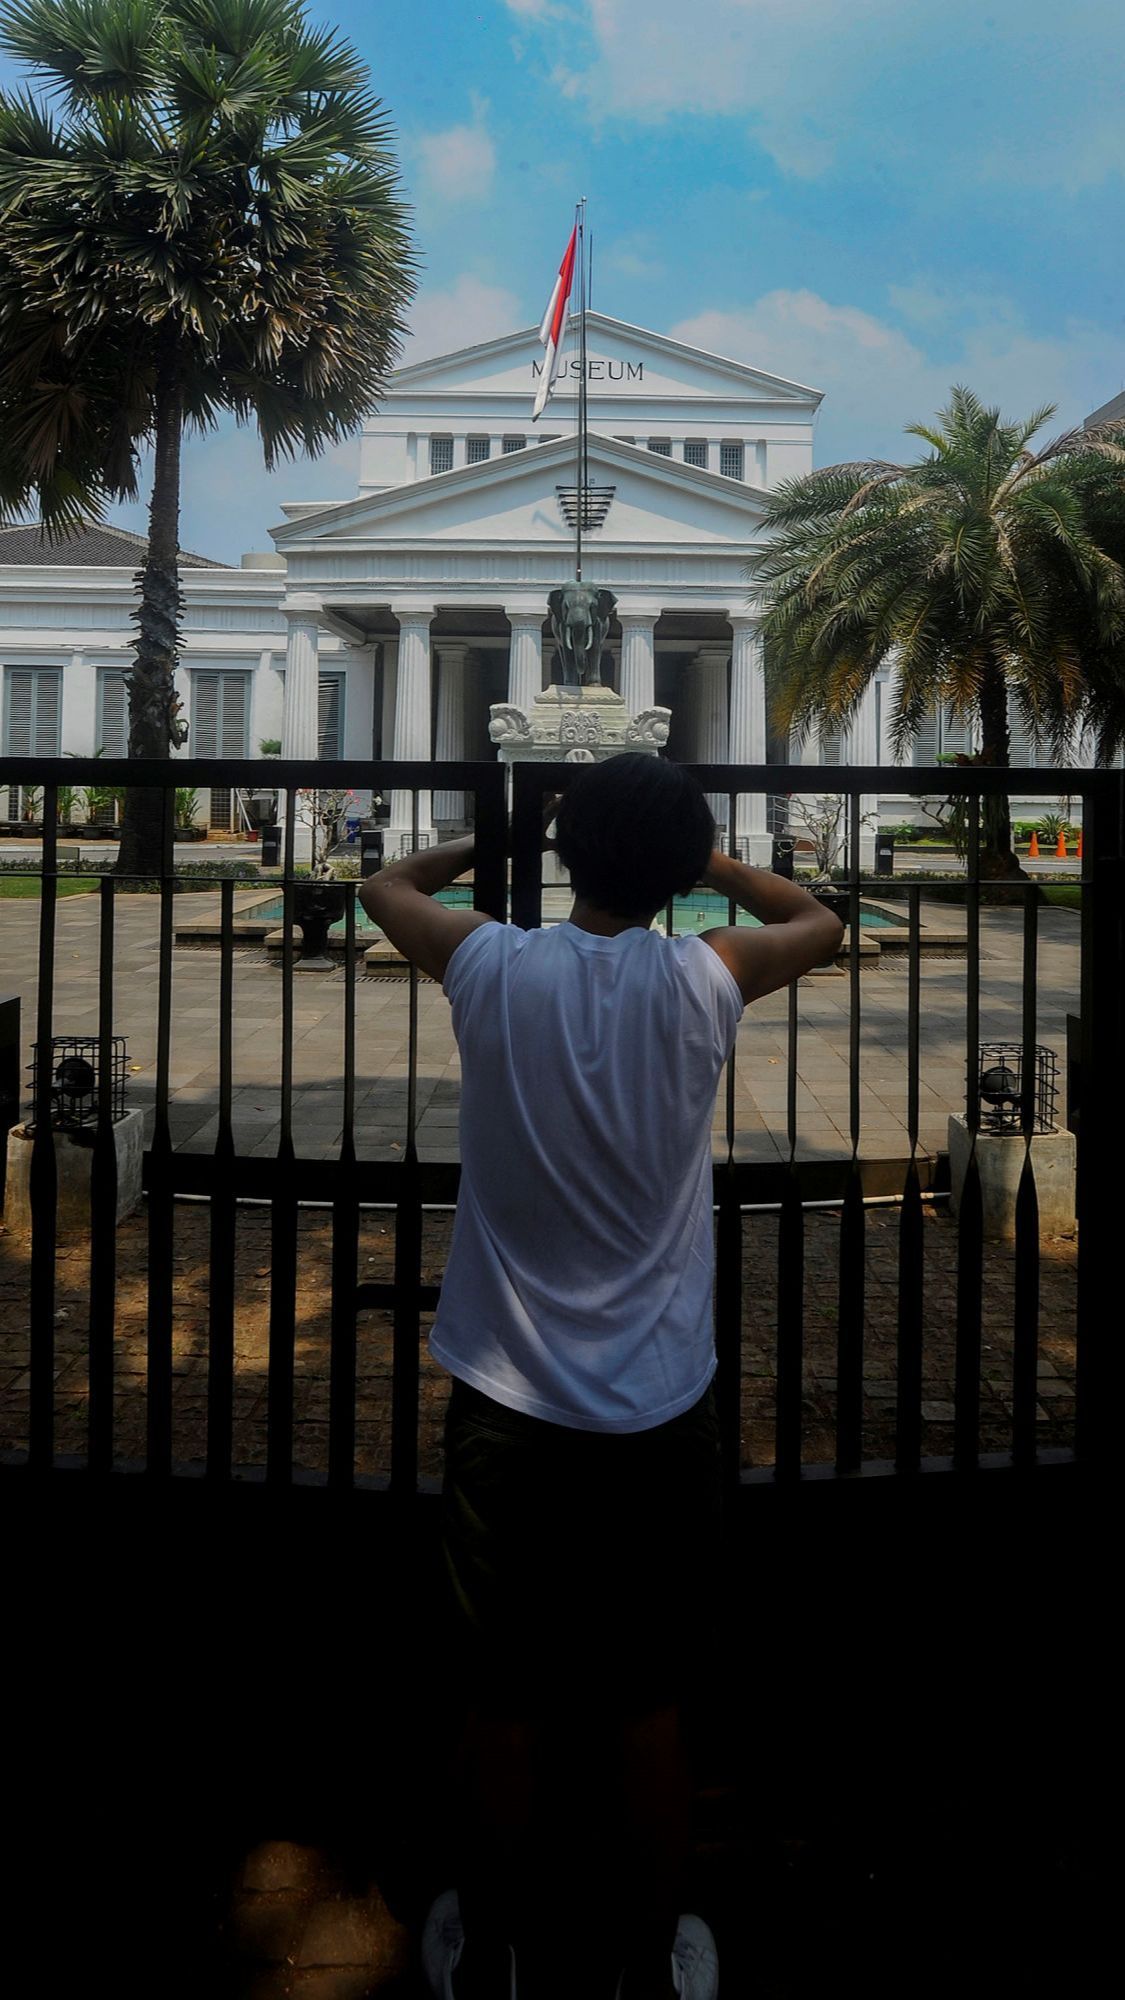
200,213
987,570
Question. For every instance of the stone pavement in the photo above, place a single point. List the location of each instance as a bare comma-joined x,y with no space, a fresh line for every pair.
382,1031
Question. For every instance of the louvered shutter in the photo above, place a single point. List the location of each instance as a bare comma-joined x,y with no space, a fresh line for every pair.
925,749
205,715
48,712
113,713
18,712
1021,749
956,735
329,706
233,689
831,746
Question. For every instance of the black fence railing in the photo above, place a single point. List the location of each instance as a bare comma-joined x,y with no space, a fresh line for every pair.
508,881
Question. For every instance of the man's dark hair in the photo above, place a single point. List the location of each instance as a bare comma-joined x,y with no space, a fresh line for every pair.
633,832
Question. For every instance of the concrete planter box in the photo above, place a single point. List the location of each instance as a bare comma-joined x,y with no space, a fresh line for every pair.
1000,1163
73,1162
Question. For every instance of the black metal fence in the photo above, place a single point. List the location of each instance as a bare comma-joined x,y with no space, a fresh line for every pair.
508,881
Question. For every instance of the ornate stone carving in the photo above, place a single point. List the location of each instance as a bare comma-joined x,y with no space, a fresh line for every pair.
650,726
508,724
579,725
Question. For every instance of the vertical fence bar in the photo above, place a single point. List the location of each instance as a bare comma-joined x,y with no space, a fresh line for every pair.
1025,1345
103,1206
790,1284
1101,1112
852,1268
345,1243
528,784
490,851
408,1264
43,1170
908,1440
970,1222
161,1214
220,1331
283,1232
728,1262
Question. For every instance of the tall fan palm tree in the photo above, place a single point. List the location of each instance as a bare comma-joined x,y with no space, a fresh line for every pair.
986,570
200,213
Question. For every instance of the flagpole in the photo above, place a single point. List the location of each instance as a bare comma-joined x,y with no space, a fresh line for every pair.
581,388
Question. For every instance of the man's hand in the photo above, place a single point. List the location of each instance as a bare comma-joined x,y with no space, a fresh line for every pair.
400,900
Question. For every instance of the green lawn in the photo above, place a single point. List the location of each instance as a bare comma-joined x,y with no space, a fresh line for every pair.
1065,895
28,885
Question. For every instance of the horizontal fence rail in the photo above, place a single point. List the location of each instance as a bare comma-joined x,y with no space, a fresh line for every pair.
508,883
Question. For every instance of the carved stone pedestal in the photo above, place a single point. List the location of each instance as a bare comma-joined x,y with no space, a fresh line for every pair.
575,725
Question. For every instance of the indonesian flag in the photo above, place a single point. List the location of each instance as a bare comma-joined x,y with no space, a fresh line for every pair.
554,321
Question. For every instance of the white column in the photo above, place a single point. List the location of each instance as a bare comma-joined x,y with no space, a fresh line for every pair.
748,730
299,734
78,721
863,748
450,741
525,659
709,669
637,682
412,726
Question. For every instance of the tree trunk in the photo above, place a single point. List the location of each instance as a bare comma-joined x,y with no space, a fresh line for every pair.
998,859
153,721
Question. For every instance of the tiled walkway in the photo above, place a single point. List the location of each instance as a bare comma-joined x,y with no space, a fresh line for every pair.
382,1028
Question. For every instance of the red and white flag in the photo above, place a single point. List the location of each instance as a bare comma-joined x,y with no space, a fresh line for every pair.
554,324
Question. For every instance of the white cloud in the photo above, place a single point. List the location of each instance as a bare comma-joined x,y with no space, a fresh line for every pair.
460,163
877,379
466,311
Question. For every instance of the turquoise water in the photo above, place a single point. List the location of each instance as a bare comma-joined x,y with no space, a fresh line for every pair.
700,912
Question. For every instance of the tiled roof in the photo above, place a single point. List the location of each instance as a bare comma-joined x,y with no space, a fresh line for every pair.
94,545
1112,412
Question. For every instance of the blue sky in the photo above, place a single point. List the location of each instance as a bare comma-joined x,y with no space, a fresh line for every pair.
880,199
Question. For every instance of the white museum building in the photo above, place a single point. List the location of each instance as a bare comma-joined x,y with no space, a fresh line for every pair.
388,624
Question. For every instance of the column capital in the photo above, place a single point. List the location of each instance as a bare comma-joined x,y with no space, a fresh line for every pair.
715,653
302,608
526,621
452,652
637,621
744,623
417,616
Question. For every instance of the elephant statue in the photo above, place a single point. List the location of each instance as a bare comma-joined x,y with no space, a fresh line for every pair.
580,620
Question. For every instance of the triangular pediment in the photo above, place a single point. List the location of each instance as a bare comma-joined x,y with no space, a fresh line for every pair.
622,360
516,499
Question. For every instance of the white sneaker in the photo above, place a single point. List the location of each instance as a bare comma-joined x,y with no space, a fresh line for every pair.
443,1941
695,1962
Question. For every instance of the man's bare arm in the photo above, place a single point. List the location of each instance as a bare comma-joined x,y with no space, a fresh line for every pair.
400,900
797,932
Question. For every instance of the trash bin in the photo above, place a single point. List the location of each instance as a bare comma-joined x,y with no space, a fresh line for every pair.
782,862
271,846
370,851
351,831
884,854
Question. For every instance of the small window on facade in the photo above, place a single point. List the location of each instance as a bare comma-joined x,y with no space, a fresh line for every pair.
112,719
330,716
514,444
695,451
478,450
32,711
661,446
441,454
220,716
731,458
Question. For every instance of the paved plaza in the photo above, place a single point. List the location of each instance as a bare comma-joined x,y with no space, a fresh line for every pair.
382,1029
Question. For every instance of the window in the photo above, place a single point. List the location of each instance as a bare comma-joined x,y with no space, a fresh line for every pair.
111,722
831,746
477,450
220,714
730,460
32,711
514,444
330,716
661,446
695,452
441,454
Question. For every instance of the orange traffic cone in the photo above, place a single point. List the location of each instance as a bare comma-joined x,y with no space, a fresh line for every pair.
1060,846
1033,848
1080,843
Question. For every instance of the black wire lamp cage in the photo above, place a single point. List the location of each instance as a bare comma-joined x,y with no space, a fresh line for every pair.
1000,1079
70,1094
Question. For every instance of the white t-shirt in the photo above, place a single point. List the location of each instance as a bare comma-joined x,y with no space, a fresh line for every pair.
579,1281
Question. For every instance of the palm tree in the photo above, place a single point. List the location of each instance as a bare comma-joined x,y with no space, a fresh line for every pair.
201,215
986,570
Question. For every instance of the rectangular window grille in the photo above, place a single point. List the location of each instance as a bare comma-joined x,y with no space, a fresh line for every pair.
514,444
661,446
330,716
441,454
220,714
32,711
222,800
112,719
477,450
695,452
731,459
